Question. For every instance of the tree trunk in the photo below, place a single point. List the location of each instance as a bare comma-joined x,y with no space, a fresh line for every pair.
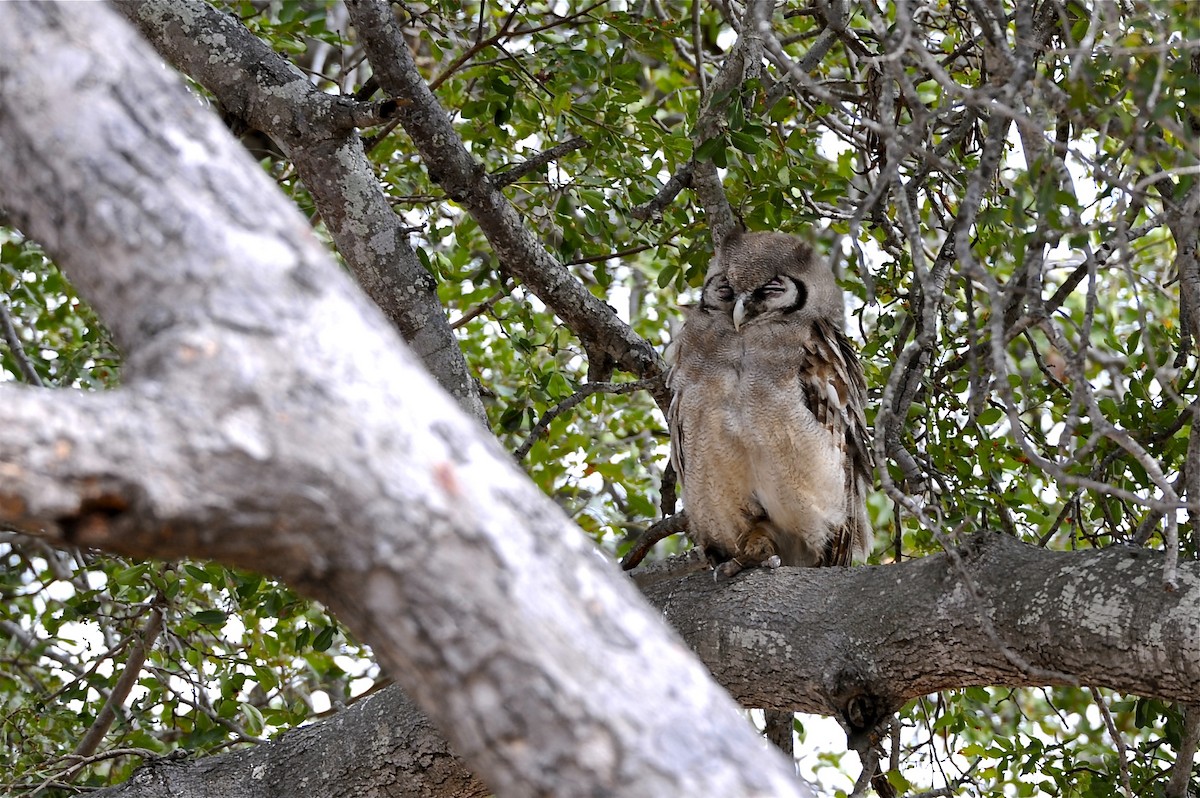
270,419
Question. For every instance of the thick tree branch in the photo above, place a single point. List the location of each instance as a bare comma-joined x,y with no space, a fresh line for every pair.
1102,617
466,182
381,746
280,425
814,639
314,128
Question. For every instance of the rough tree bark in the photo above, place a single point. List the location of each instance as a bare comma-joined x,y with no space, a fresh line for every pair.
270,419
381,746
607,339
318,131
814,640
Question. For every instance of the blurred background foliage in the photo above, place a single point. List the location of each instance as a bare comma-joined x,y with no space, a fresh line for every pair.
1065,195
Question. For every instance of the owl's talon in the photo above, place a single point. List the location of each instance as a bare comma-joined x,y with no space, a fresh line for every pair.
727,570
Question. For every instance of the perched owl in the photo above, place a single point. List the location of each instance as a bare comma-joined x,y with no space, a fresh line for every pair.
767,429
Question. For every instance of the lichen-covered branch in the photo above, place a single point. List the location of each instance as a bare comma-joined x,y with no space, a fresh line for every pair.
317,132
813,639
1100,617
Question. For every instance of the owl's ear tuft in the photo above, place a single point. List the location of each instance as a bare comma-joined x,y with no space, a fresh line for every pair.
732,237
803,251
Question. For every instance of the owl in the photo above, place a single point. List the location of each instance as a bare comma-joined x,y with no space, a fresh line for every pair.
766,417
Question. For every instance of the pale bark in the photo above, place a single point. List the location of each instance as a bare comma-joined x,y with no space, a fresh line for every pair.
382,746
270,419
318,131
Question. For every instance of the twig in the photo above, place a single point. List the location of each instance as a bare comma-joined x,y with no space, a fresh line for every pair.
698,47
79,763
504,32
659,530
666,195
480,309
1181,771
18,351
133,669
515,173
624,253
574,399
1122,752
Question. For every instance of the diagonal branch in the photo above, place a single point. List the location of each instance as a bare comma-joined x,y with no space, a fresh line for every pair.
129,676
267,402
573,401
515,173
450,165
16,348
317,132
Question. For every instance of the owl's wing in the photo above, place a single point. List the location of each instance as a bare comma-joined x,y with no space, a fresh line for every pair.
831,377
674,427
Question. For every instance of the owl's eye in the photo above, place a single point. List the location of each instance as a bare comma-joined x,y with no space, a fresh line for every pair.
775,286
724,293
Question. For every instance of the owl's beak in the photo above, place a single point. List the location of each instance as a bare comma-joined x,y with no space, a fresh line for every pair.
739,312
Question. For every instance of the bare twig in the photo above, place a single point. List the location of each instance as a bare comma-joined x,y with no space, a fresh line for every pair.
133,669
681,179
659,530
13,339
698,50
515,173
78,763
1181,771
483,307
1118,741
543,424
505,32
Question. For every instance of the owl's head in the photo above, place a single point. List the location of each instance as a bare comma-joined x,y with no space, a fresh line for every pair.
762,277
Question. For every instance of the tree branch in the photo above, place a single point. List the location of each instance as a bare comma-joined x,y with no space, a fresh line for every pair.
13,339
464,180
316,130
267,402
865,633
572,401
1099,616
382,745
1181,772
129,676
536,162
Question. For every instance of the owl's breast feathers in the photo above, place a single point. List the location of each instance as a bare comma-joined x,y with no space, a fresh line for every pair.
770,421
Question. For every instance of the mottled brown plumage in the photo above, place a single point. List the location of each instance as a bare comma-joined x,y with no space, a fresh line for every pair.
767,428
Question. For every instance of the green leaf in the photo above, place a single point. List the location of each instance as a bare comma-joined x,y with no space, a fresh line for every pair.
990,416
210,617
324,638
711,149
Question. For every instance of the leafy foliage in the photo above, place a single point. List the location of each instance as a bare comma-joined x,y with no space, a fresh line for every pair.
1011,247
